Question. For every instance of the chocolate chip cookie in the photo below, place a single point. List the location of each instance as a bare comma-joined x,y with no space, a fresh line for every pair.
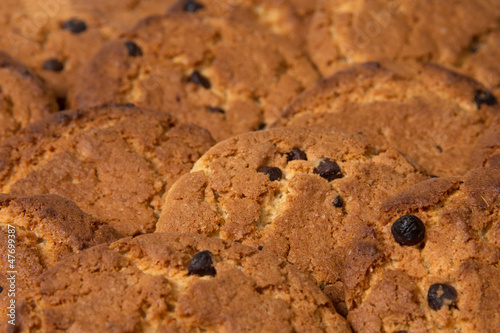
432,115
177,283
24,97
56,38
219,74
462,35
36,232
431,261
114,161
295,192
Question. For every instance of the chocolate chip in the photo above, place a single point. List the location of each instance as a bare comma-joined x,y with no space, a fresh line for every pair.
328,169
408,230
260,247
484,97
202,264
296,154
273,172
200,80
338,202
215,110
53,65
75,26
133,49
192,6
441,294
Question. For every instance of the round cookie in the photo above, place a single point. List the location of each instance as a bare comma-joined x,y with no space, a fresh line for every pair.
36,232
24,98
224,76
462,35
297,193
114,161
177,283
56,38
288,19
446,280
432,115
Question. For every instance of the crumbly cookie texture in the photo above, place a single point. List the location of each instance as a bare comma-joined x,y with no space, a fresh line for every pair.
432,115
56,38
289,19
150,284
24,98
39,231
487,150
462,35
447,281
114,161
297,193
224,76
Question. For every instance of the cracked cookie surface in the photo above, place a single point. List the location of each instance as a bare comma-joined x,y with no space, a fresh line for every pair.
219,74
448,282
24,98
461,35
39,231
114,161
297,193
432,115
146,284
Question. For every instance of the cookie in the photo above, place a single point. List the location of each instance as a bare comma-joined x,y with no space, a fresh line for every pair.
463,35
289,19
114,161
297,193
24,98
36,232
432,115
219,74
177,283
487,150
444,276
56,38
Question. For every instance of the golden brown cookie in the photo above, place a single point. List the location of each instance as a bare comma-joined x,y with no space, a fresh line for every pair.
432,115
24,98
219,74
487,150
56,38
36,232
177,283
115,161
431,262
295,192
463,35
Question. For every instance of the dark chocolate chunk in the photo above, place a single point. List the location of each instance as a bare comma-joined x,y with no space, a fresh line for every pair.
215,110
75,26
338,202
441,294
192,6
202,264
408,230
133,49
260,247
273,172
484,97
296,154
53,65
328,169
200,80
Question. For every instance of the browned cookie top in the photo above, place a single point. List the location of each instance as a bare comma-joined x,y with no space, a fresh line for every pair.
177,283
298,193
433,261
219,74
57,37
432,115
35,233
464,34
115,161
487,150
24,98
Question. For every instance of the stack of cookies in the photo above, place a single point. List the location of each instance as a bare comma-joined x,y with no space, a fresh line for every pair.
249,166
